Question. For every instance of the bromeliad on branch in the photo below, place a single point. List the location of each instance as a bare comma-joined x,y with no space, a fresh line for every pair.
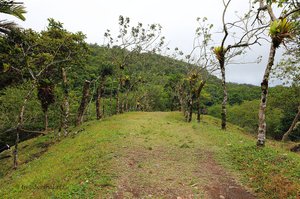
279,30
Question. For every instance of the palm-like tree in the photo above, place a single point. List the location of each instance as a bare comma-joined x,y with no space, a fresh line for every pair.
13,8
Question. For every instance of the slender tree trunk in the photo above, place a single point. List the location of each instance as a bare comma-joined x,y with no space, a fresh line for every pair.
20,124
98,100
198,99
46,119
190,109
181,100
110,99
198,109
182,109
65,104
16,150
98,103
110,105
186,116
262,126
225,96
103,110
121,105
118,99
137,106
296,119
84,102
126,102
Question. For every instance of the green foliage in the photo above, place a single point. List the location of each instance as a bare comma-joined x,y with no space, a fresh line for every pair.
13,8
281,29
106,70
219,52
281,110
14,61
46,94
287,100
11,100
281,3
288,70
245,116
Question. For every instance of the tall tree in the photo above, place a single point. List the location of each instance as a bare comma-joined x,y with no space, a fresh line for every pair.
69,51
288,70
280,29
130,42
203,60
225,52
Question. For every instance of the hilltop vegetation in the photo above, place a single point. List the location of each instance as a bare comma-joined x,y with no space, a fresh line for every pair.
160,76
53,79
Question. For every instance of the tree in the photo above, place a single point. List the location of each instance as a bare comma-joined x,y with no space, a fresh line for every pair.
22,56
280,30
38,57
199,65
130,42
289,69
13,8
203,59
69,51
225,52
105,71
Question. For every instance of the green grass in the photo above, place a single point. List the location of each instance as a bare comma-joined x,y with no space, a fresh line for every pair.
272,171
84,165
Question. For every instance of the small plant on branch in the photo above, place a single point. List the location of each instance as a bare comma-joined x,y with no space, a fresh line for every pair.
219,52
281,29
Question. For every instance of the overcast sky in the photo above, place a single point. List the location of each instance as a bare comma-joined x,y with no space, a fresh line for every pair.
177,17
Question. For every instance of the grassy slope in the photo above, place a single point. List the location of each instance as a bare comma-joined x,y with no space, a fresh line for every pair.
84,165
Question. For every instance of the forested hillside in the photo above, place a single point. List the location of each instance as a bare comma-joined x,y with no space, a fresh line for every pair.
152,82
53,79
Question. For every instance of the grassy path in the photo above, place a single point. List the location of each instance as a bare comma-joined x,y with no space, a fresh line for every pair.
148,155
162,157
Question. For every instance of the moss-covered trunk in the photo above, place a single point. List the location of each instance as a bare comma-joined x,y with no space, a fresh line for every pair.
46,119
65,108
191,104
20,124
98,99
84,102
199,90
118,107
198,110
225,96
181,99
